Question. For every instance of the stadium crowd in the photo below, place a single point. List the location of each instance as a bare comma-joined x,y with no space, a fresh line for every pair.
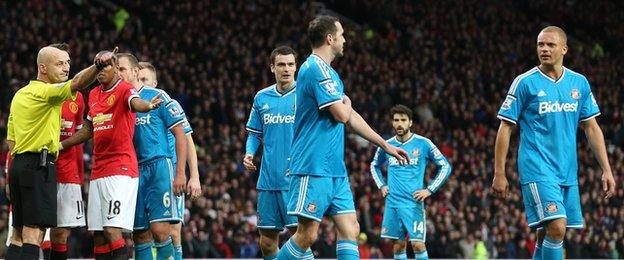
451,61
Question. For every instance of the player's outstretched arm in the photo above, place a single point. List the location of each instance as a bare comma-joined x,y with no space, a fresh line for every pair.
500,184
357,123
85,77
193,187
140,105
179,182
597,144
84,134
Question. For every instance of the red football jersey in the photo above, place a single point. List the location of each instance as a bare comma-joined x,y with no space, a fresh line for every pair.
113,127
67,165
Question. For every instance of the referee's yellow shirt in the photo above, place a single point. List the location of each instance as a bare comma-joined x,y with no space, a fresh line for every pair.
35,116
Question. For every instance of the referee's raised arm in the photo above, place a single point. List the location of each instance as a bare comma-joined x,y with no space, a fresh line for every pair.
33,134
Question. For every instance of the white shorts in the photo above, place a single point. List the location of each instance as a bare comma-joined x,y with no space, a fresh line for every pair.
112,202
69,206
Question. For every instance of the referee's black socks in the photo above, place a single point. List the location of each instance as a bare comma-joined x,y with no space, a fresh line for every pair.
29,252
13,252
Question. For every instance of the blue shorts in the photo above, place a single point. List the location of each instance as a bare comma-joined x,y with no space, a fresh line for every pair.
314,196
399,222
272,210
545,201
155,199
180,206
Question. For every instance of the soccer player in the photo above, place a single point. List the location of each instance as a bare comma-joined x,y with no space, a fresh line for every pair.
114,175
319,183
70,170
156,207
148,76
33,131
271,121
405,191
548,103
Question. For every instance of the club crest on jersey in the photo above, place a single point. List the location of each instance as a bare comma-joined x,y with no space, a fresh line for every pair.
416,152
73,107
312,207
551,207
575,94
110,100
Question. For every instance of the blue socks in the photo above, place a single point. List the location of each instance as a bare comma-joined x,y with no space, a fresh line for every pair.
400,255
164,249
177,255
347,250
537,254
422,255
552,249
269,257
290,250
143,251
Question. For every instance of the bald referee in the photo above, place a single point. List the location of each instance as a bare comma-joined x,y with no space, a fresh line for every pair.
34,127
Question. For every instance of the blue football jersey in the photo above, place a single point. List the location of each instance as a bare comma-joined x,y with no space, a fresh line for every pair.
272,117
318,140
548,113
187,131
150,132
404,180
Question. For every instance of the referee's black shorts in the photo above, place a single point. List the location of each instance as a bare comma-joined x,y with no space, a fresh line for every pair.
33,191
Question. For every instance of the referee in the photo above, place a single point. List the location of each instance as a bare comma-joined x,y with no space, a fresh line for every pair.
34,127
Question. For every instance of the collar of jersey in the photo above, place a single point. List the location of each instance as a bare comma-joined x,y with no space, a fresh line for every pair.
551,79
285,94
114,86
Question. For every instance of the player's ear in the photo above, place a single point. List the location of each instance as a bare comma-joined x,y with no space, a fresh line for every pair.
272,67
564,49
410,123
42,68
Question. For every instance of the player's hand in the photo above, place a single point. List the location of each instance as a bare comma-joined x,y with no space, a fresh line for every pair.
179,183
193,187
421,195
346,100
104,58
398,153
500,186
155,102
248,163
608,184
384,191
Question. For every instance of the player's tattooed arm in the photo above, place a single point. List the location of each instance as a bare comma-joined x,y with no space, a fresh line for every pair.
500,183
596,141
84,134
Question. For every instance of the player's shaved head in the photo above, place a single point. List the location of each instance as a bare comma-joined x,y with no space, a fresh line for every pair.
48,53
132,60
555,29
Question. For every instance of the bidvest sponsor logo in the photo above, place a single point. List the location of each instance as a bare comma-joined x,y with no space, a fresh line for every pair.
271,118
143,120
556,107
